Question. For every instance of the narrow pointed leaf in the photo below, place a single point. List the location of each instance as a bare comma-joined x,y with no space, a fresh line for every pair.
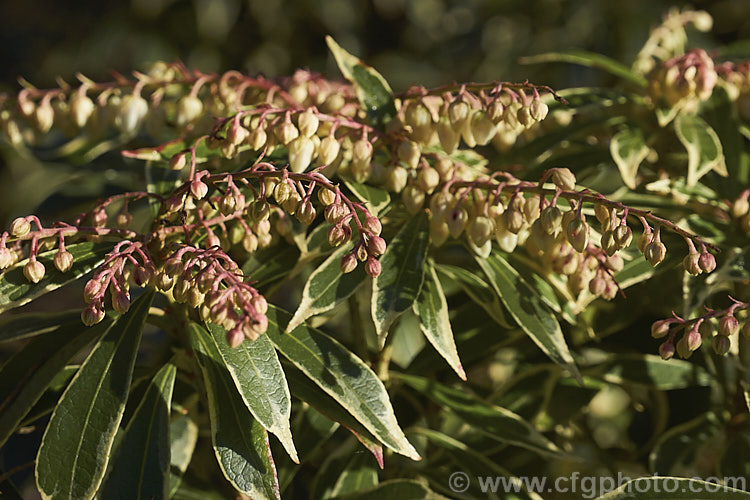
304,388
478,291
432,309
140,469
76,444
16,290
501,424
591,60
327,286
373,91
398,285
239,441
343,376
25,377
259,379
702,145
183,434
527,309
628,149
375,199
22,326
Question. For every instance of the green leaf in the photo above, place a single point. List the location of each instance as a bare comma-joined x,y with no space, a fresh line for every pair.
628,149
76,444
528,310
703,147
25,376
343,376
22,326
396,489
239,441
679,448
259,379
374,93
327,286
591,60
432,309
270,264
183,435
478,291
497,422
140,468
16,290
400,280
375,199
677,488
358,474
303,388
650,371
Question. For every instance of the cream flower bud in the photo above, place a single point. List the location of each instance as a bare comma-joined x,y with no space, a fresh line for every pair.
480,230
81,108
301,152
348,263
693,339
20,227
283,192
373,224
428,179
458,113
482,128
447,135
131,112
623,236
44,116
513,220
457,218
563,178
258,139
308,123
551,219
577,233
306,213
609,245
409,152
538,110
33,270
655,252
740,207
178,161
691,263
121,302
337,235
189,108
198,189
439,233
328,150
286,132
335,212
6,258
326,196
362,151
396,178
63,261
643,240
413,199
92,314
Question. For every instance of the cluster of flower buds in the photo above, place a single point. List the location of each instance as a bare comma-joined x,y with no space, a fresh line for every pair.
719,326
128,261
522,213
740,211
687,79
736,80
210,280
168,97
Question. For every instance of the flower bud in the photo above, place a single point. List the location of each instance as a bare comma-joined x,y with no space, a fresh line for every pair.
660,328
20,227
198,189
456,219
260,210
258,139
623,236
301,151
328,150
306,213
577,233
428,179
250,242
740,207
439,232
531,210
409,153
372,267
121,302
702,20
164,281
237,134
92,314
337,235
396,178
482,128
551,219
728,325
33,270
44,116
360,171
602,213
707,262
308,123
721,344
81,108
513,220
666,350
597,286
614,263
189,109
283,192
235,337
458,113
481,230
539,112
335,212
694,339
348,263
362,151
643,240
326,196
413,199
447,135
131,112
373,224
691,263
655,252
6,258
376,246
286,132
63,261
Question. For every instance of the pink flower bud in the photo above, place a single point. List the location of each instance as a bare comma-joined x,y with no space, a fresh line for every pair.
372,267
660,328
728,325
721,344
92,314
707,262
373,225
691,263
260,304
655,252
376,246
666,350
348,263
6,258
235,337
694,339
121,302
63,261
178,161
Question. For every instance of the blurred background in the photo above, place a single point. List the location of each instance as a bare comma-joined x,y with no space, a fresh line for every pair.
426,41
